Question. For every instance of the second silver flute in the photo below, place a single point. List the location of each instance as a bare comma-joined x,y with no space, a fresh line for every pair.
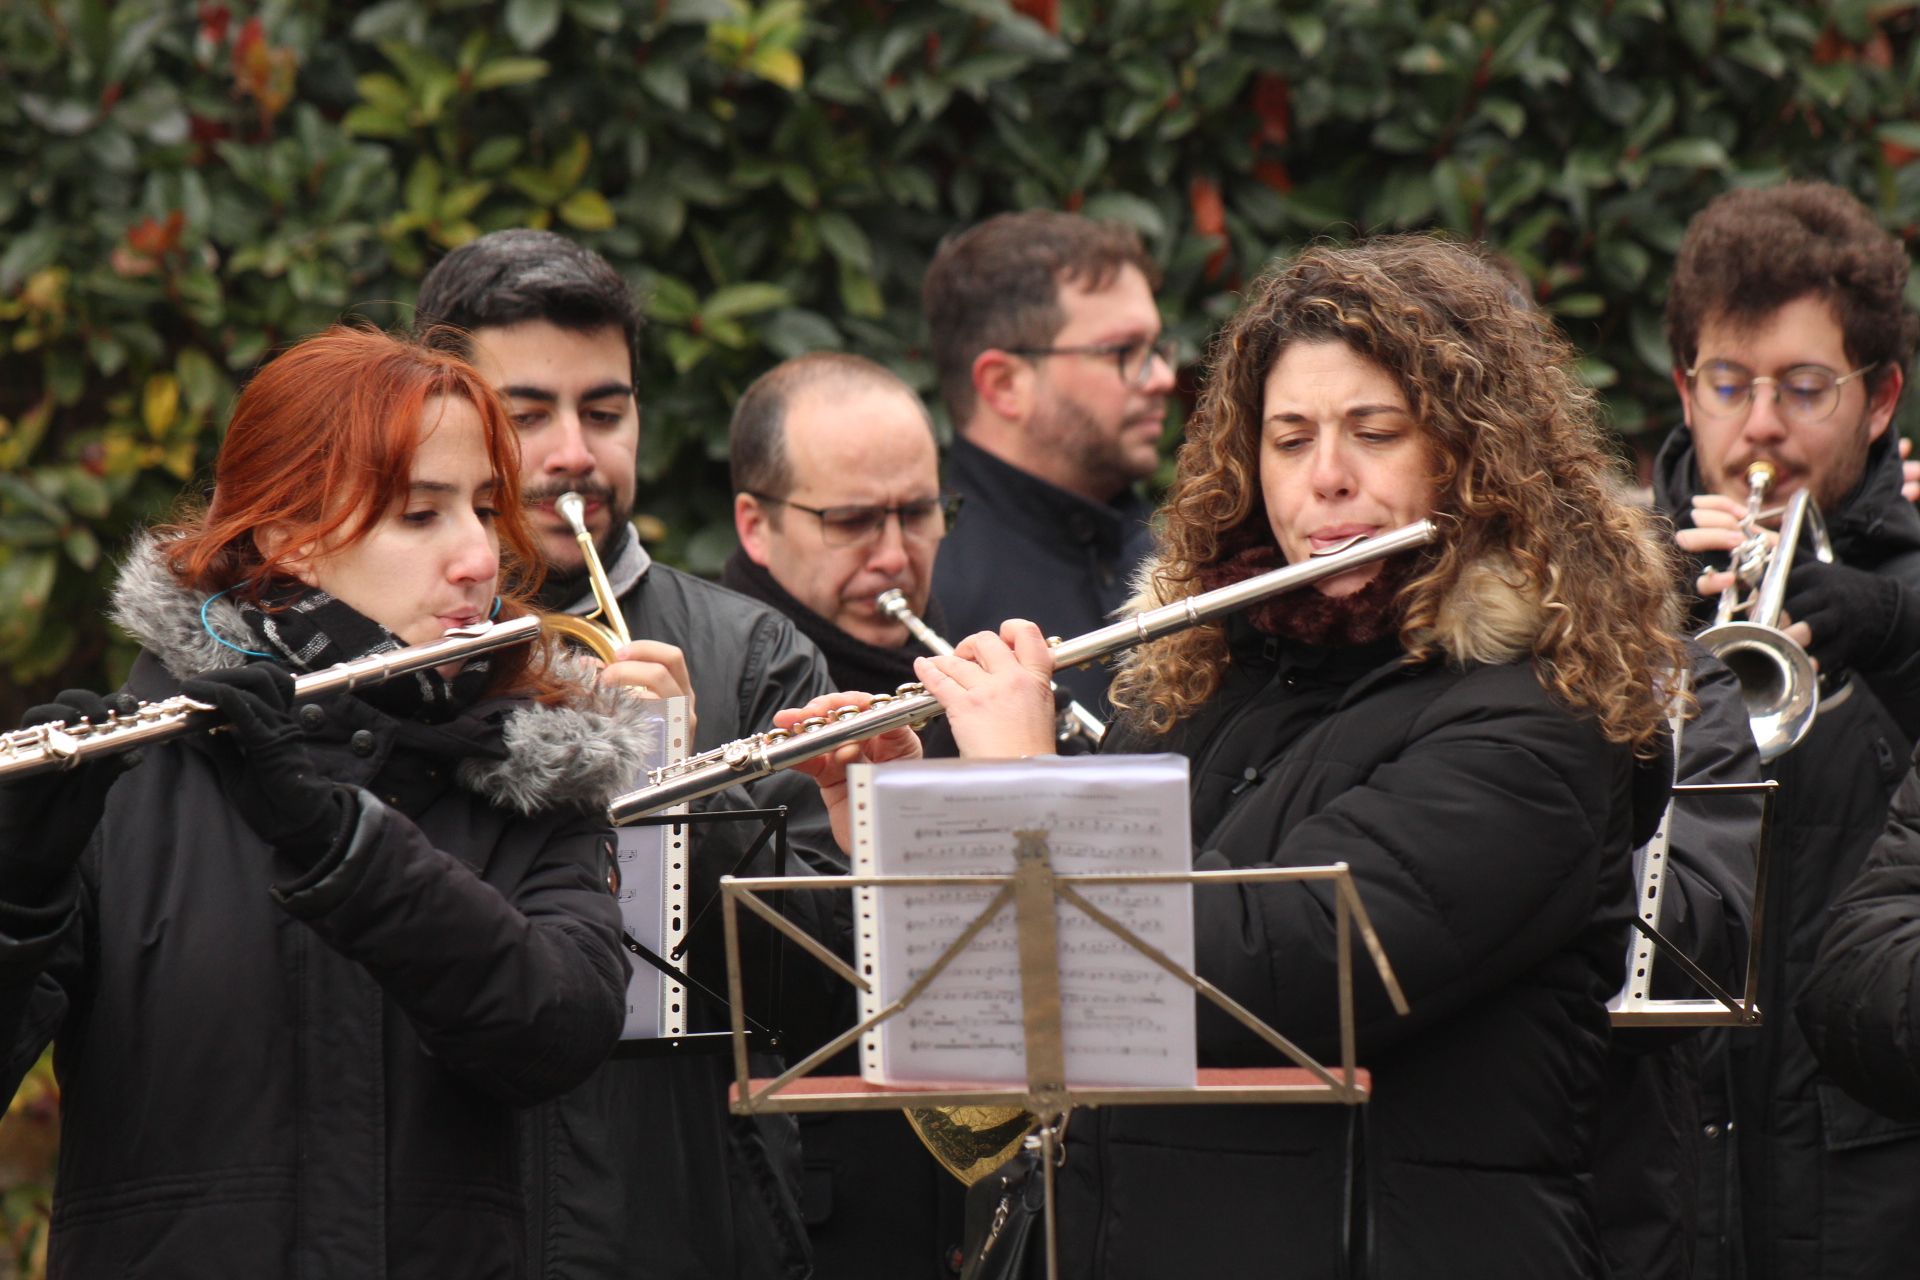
746,759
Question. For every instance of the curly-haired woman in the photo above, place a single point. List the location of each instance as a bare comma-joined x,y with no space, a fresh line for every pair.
1476,729
299,974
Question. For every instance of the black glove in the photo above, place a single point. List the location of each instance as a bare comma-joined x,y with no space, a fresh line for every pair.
270,778
1860,621
47,819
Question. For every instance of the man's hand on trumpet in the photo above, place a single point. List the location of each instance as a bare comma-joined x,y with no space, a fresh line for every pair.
652,669
1719,527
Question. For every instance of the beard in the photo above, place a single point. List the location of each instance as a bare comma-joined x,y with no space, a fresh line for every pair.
1838,474
1358,618
1102,461
562,586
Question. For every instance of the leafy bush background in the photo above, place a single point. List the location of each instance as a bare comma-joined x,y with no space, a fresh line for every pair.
184,187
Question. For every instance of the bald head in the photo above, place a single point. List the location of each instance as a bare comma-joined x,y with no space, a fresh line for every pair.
837,431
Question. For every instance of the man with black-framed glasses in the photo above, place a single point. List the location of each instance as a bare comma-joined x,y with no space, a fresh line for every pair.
837,499
1791,342
1055,372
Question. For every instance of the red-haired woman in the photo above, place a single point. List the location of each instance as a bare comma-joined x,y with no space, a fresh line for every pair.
299,974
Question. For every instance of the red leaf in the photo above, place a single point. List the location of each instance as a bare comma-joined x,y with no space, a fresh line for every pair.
1209,212
1272,102
1044,12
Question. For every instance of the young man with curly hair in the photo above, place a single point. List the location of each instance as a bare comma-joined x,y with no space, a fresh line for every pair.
1791,340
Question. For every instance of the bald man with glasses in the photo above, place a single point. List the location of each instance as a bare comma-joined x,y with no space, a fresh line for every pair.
837,499
1791,341
1054,370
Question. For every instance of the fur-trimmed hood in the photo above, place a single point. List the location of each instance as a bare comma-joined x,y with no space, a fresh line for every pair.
1486,618
581,753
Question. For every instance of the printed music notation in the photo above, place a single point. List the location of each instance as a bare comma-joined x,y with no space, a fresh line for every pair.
1124,1021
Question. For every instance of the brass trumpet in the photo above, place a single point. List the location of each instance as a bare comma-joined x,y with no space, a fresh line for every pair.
1076,723
1778,682
603,630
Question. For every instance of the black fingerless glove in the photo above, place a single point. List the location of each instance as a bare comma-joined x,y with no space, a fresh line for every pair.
1860,621
47,819
268,776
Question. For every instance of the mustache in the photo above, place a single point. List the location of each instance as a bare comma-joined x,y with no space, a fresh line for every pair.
550,490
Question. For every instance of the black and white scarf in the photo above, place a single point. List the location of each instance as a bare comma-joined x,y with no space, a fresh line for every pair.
310,630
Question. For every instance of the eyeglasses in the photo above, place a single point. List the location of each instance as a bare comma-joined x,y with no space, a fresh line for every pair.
1805,394
923,519
1134,359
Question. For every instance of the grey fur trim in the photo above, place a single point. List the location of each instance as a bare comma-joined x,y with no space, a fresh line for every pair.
585,752
150,605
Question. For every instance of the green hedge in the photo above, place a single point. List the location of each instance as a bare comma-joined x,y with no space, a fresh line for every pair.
185,187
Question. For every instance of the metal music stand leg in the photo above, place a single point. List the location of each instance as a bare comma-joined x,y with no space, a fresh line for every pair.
1048,1134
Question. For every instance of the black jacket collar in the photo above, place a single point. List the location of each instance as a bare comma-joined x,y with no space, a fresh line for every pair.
1021,497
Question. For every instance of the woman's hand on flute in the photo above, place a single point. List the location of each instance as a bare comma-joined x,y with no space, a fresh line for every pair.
997,691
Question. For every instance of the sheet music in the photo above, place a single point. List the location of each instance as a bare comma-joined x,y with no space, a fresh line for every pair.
1124,1020
653,892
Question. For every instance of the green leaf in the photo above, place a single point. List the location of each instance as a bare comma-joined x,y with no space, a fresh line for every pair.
1118,206
1578,304
667,82
796,331
845,240
587,210
596,15
531,23
1901,133
200,378
744,300
1690,153
1761,54
82,547
1506,115
1308,31
506,71
686,350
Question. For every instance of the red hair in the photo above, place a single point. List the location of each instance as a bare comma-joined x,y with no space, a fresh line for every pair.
321,445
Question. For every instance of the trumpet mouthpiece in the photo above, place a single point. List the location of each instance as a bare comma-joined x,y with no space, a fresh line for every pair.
891,601
573,509
1760,474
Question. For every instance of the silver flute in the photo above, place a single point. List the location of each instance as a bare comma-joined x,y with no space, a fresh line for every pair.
910,706
63,745
1075,721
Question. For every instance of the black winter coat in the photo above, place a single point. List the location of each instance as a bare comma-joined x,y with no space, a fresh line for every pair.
1858,1008
1828,1187
318,1077
641,1173
1489,832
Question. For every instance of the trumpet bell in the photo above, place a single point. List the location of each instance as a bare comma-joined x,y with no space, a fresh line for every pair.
1778,682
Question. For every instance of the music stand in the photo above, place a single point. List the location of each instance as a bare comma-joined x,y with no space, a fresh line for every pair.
1635,1005
1035,891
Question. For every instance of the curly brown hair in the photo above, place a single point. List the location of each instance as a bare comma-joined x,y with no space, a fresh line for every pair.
1537,555
1753,251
